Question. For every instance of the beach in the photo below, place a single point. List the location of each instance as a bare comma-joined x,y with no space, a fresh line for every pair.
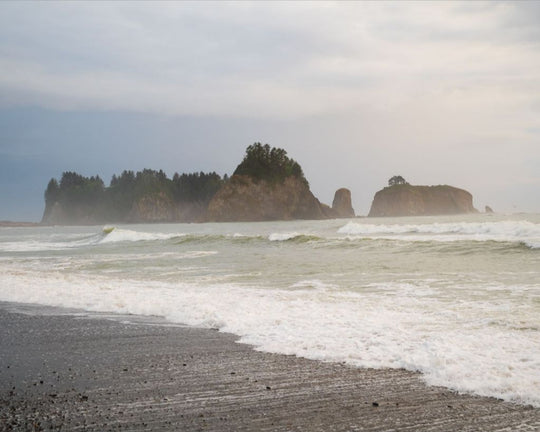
95,372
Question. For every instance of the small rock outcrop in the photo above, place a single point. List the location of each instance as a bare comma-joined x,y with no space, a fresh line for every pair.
409,200
488,210
342,204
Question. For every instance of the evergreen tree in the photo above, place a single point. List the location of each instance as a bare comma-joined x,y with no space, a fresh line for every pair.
52,192
263,162
397,180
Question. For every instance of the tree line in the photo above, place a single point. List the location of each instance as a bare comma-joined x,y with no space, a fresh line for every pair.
78,195
115,201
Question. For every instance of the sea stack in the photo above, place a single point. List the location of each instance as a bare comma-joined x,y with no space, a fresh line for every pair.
244,199
266,185
342,204
408,200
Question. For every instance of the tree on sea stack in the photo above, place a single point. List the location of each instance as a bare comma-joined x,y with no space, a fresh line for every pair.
397,180
262,162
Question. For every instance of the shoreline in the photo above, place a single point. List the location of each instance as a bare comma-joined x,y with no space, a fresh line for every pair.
91,372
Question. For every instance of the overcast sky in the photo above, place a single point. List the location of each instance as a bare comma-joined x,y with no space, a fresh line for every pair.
440,93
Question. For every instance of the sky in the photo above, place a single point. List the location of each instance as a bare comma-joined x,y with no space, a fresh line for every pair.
356,92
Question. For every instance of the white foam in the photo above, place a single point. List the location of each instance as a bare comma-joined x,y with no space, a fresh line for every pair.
54,242
510,231
283,236
312,284
51,243
125,235
397,325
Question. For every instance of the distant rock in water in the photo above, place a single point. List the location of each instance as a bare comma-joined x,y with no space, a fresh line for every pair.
488,210
409,200
342,204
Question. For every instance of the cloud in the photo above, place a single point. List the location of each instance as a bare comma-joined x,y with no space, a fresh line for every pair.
261,60
435,91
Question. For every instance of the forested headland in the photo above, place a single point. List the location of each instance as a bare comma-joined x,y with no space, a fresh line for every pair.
150,196
79,199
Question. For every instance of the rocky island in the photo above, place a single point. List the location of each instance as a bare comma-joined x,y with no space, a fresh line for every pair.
266,185
402,199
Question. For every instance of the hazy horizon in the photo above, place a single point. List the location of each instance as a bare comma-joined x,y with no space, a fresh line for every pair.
440,93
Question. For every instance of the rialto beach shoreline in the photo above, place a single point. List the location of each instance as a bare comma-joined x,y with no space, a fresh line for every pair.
68,370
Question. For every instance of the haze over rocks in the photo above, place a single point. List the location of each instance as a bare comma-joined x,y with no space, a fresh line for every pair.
266,185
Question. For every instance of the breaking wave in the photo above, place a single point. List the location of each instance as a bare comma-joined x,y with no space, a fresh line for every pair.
524,232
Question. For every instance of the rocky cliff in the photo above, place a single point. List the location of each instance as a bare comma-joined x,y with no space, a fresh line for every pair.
148,209
162,208
244,199
61,214
266,185
408,200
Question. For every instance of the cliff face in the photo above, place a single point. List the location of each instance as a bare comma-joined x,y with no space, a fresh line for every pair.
243,199
408,200
267,185
152,208
148,209
162,208
82,214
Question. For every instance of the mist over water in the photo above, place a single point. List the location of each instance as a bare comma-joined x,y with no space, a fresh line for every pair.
456,298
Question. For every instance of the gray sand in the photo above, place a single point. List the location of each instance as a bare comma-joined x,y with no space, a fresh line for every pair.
94,374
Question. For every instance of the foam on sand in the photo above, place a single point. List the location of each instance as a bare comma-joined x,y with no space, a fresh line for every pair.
452,345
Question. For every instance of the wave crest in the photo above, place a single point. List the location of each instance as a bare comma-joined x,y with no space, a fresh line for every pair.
524,232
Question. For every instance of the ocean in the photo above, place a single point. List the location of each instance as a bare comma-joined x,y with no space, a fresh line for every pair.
455,298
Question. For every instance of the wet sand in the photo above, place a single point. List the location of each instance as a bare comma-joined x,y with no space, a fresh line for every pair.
60,372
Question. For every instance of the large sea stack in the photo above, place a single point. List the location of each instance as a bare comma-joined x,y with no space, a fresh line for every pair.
267,185
409,200
245,199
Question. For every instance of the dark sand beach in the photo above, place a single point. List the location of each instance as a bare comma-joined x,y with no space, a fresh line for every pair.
61,372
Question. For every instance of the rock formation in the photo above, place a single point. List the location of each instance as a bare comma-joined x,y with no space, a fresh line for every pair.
266,185
152,208
244,199
147,209
161,208
342,204
408,200
488,209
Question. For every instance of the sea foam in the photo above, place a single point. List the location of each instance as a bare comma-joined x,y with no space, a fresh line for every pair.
467,320
507,231
124,235
454,345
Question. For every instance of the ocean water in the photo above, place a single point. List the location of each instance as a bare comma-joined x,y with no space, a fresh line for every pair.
456,298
